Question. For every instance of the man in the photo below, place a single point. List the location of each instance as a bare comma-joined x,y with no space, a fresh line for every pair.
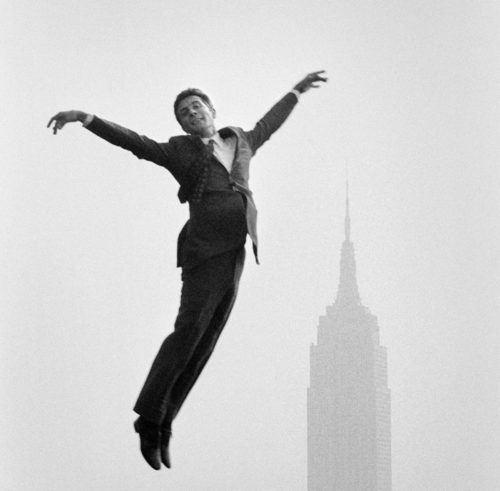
212,168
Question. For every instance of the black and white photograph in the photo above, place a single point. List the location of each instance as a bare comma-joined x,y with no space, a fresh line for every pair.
250,245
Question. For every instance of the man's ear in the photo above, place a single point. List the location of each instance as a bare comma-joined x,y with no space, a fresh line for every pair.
213,112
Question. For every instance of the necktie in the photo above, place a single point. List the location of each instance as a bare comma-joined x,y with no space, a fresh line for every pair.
202,177
210,145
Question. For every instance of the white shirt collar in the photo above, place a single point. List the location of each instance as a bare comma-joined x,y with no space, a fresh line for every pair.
216,138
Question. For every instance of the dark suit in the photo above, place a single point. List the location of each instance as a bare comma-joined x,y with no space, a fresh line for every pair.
210,247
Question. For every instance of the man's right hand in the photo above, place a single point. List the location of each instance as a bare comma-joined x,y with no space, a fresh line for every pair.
60,119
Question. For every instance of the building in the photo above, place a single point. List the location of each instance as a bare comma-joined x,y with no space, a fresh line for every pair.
348,401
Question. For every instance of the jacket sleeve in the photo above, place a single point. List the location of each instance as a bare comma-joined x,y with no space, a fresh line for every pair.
271,121
141,146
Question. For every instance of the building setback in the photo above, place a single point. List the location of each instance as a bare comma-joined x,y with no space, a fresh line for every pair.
348,401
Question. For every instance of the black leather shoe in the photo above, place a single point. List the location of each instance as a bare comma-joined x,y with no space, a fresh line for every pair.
165,453
149,434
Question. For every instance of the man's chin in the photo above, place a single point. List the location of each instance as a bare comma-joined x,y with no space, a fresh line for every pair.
197,128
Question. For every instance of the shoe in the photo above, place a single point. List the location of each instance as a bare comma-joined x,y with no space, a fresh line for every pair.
149,434
164,451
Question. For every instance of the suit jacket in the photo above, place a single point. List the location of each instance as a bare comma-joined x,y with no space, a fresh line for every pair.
185,157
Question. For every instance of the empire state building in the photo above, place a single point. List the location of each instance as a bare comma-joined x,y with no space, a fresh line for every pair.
348,401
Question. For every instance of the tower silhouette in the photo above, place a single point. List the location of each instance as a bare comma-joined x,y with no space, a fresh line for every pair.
348,400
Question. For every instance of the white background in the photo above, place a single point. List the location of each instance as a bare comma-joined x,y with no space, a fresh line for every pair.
89,284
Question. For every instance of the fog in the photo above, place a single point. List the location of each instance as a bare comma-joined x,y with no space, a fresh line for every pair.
89,283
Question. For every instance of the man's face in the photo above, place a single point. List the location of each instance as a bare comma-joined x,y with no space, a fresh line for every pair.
196,117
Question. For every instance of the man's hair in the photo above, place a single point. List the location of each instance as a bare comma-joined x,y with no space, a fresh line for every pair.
189,92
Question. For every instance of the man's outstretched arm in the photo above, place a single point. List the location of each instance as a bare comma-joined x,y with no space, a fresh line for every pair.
141,146
277,115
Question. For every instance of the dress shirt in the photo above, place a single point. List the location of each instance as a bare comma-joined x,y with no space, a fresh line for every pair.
224,149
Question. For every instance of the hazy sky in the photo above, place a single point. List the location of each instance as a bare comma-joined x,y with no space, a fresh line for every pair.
89,282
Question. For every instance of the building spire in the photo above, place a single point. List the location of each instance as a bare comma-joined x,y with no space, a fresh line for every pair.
348,286
347,220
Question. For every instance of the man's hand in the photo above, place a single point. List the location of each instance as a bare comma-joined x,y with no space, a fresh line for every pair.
60,119
311,80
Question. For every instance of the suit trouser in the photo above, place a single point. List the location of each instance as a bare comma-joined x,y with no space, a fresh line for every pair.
207,298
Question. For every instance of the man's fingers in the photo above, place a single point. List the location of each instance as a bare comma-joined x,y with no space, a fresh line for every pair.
57,118
317,77
58,123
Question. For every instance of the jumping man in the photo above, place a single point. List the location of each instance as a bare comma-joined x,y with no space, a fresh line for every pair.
212,169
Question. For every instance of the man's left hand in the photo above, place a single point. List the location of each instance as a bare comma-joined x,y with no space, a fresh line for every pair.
311,81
